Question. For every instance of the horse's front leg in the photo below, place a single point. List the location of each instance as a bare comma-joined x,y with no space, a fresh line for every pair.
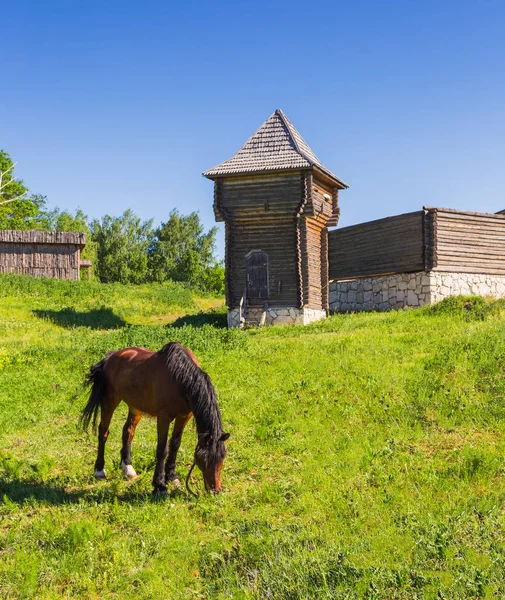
163,423
126,451
175,441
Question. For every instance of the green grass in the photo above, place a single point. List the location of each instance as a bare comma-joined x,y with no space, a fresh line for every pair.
366,457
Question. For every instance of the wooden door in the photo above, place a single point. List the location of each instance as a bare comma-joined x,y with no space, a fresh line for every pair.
257,275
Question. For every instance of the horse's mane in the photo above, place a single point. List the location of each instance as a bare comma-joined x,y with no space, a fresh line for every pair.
197,388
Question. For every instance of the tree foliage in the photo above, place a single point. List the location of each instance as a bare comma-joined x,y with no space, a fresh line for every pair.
66,221
182,250
212,279
123,245
23,212
131,251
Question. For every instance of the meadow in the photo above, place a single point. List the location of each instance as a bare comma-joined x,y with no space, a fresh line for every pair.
366,458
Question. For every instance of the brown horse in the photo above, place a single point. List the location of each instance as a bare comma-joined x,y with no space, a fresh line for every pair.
169,385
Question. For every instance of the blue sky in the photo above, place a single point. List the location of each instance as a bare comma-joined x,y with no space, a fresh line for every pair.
114,105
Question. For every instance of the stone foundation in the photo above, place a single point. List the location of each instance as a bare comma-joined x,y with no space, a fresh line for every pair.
282,315
465,284
410,290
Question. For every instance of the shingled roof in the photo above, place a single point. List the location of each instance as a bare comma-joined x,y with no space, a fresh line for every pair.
276,146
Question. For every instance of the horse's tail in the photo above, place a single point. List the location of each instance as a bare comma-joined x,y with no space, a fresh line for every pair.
96,379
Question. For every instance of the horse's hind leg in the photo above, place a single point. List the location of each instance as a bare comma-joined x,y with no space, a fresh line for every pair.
128,433
163,423
175,442
107,411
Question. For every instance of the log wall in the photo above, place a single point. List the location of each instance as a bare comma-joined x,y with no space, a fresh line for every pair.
317,203
277,239
434,239
314,281
324,270
468,242
257,197
391,245
260,214
41,254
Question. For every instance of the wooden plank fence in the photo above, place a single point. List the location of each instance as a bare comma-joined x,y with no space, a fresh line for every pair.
468,242
391,245
41,253
436,239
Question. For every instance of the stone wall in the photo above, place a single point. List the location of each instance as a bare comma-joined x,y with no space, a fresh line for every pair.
287,315
410,290
457,284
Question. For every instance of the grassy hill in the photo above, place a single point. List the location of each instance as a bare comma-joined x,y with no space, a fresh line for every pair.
367,457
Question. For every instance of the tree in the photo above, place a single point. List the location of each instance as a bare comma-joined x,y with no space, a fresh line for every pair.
17,210
212,279
183,252
122,247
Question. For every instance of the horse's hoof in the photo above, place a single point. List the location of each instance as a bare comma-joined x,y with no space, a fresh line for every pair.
99,475
128,472
176,482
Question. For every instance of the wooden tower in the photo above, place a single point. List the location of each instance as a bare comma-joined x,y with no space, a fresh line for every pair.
277,200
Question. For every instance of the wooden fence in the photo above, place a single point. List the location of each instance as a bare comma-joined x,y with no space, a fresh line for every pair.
41,253
436,239
468,242
392,245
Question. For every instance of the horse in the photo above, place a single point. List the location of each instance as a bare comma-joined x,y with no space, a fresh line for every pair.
169,385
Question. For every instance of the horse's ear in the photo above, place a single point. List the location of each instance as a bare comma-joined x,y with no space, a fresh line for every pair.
224,437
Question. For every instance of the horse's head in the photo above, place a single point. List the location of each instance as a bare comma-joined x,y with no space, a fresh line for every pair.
209,457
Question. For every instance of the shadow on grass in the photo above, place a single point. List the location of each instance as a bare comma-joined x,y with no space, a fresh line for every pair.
99,318
216,319
19,492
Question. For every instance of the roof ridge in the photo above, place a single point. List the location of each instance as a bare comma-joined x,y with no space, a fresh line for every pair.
290,127
251,136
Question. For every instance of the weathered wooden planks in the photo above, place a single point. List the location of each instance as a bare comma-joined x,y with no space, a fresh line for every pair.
314,288
324,269
433,239
270,196
41,253
257,197
275,238
42,237
468,242
320,201
391,245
